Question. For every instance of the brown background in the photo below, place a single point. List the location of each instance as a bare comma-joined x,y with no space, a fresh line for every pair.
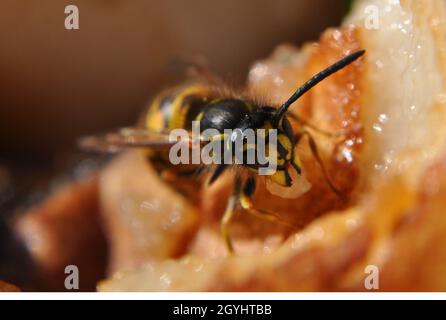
57,84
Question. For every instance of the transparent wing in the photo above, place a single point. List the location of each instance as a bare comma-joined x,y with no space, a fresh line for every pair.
123,138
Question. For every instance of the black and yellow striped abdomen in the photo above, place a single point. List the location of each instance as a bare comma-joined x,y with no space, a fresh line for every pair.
175,108
178,107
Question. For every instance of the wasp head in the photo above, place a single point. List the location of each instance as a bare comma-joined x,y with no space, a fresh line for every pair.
265,146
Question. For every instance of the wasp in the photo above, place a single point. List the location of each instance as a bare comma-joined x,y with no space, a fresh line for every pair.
180,106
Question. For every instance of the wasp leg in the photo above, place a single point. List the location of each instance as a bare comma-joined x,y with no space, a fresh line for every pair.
315,152
308,124
247,204
229,213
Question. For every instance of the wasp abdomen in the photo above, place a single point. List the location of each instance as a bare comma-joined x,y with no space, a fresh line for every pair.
178,107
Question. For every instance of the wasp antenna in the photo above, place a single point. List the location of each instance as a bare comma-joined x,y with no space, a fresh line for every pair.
315,80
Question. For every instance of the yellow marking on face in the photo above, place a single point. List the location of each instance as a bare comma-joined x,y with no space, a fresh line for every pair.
296,158
286,143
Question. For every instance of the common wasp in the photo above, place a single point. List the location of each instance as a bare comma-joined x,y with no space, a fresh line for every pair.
212,108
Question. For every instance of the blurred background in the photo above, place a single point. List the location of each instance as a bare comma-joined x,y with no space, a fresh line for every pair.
57,85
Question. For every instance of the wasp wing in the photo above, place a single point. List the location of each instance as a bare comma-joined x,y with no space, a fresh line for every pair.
123,138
